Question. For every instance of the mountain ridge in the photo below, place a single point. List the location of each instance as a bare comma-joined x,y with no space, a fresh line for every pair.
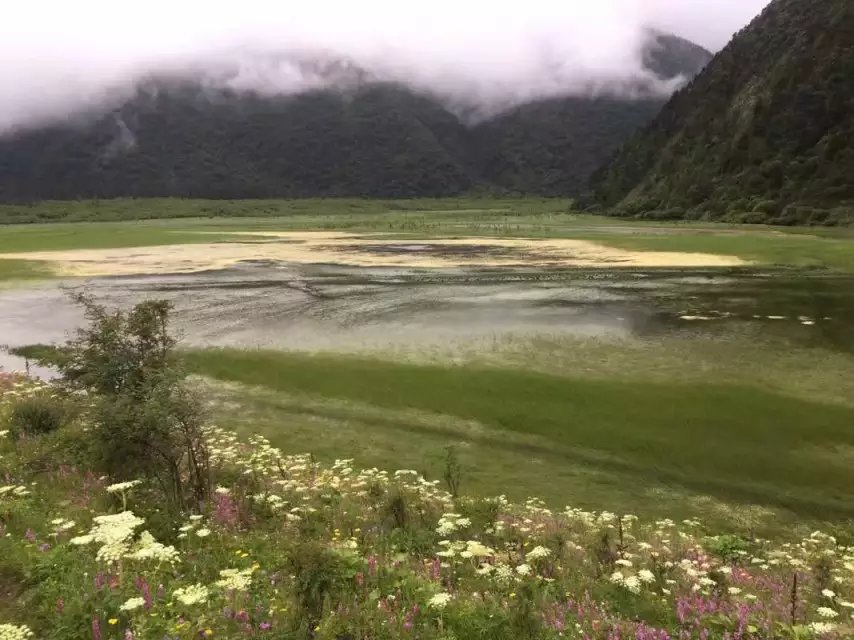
179,135
762,134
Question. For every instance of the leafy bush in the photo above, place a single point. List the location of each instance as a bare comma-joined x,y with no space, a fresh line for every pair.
37,414
727,547
145,421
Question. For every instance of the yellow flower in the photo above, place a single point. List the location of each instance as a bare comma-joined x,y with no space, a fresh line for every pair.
238,552
113,621
209,632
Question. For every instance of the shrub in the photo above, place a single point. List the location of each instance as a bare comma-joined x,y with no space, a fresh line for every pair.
145,421
37,414
727,547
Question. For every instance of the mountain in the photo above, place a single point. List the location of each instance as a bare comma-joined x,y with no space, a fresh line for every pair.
764,134
346,133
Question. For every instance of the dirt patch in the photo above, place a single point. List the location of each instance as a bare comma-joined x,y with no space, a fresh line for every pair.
363,251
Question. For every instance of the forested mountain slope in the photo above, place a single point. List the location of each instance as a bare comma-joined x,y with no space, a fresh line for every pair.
177,136
764,134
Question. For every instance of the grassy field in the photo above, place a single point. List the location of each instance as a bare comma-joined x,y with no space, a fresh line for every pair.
283,546
738,455
159,222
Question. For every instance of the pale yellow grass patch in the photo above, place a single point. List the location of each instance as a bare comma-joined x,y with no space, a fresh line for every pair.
320,247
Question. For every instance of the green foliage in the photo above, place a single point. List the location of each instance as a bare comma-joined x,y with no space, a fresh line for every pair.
38,414
146,422
453,473
178,138
320,576
765,128
727,547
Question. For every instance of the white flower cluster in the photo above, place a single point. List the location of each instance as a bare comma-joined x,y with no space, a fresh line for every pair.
451,522
132,604
121,487
467,550
147,548
439,601
15,632
632,583
61,524
539,552
193,594
822,628
14,491
115,534
235,579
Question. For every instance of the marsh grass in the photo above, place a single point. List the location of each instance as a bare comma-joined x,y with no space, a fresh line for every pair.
151,222
24,270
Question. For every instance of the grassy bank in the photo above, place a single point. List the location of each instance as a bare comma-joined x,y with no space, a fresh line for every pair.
733,453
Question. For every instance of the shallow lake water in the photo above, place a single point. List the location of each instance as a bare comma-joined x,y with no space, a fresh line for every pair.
343,308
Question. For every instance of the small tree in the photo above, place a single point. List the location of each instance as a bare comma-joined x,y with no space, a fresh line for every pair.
146,421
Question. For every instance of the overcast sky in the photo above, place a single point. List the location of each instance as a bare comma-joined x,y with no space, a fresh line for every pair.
58,56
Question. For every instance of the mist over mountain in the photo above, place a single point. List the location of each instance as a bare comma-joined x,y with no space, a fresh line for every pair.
763,134
226,129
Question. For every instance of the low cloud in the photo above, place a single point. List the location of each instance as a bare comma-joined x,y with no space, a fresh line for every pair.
58,59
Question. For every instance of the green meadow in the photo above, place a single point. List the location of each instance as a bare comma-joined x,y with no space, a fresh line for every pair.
738,454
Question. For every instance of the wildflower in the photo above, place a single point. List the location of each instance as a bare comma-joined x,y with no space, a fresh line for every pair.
132,604
203,533
503,573
826,612
237,580
523,569
439,601
149,549
208,632
15,632
222,490
194,594
633,584
113,621
647,576
475,549
820,628
827,593
539,552
121,487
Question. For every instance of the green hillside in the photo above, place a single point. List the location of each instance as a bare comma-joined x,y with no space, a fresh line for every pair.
763,134
180,137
